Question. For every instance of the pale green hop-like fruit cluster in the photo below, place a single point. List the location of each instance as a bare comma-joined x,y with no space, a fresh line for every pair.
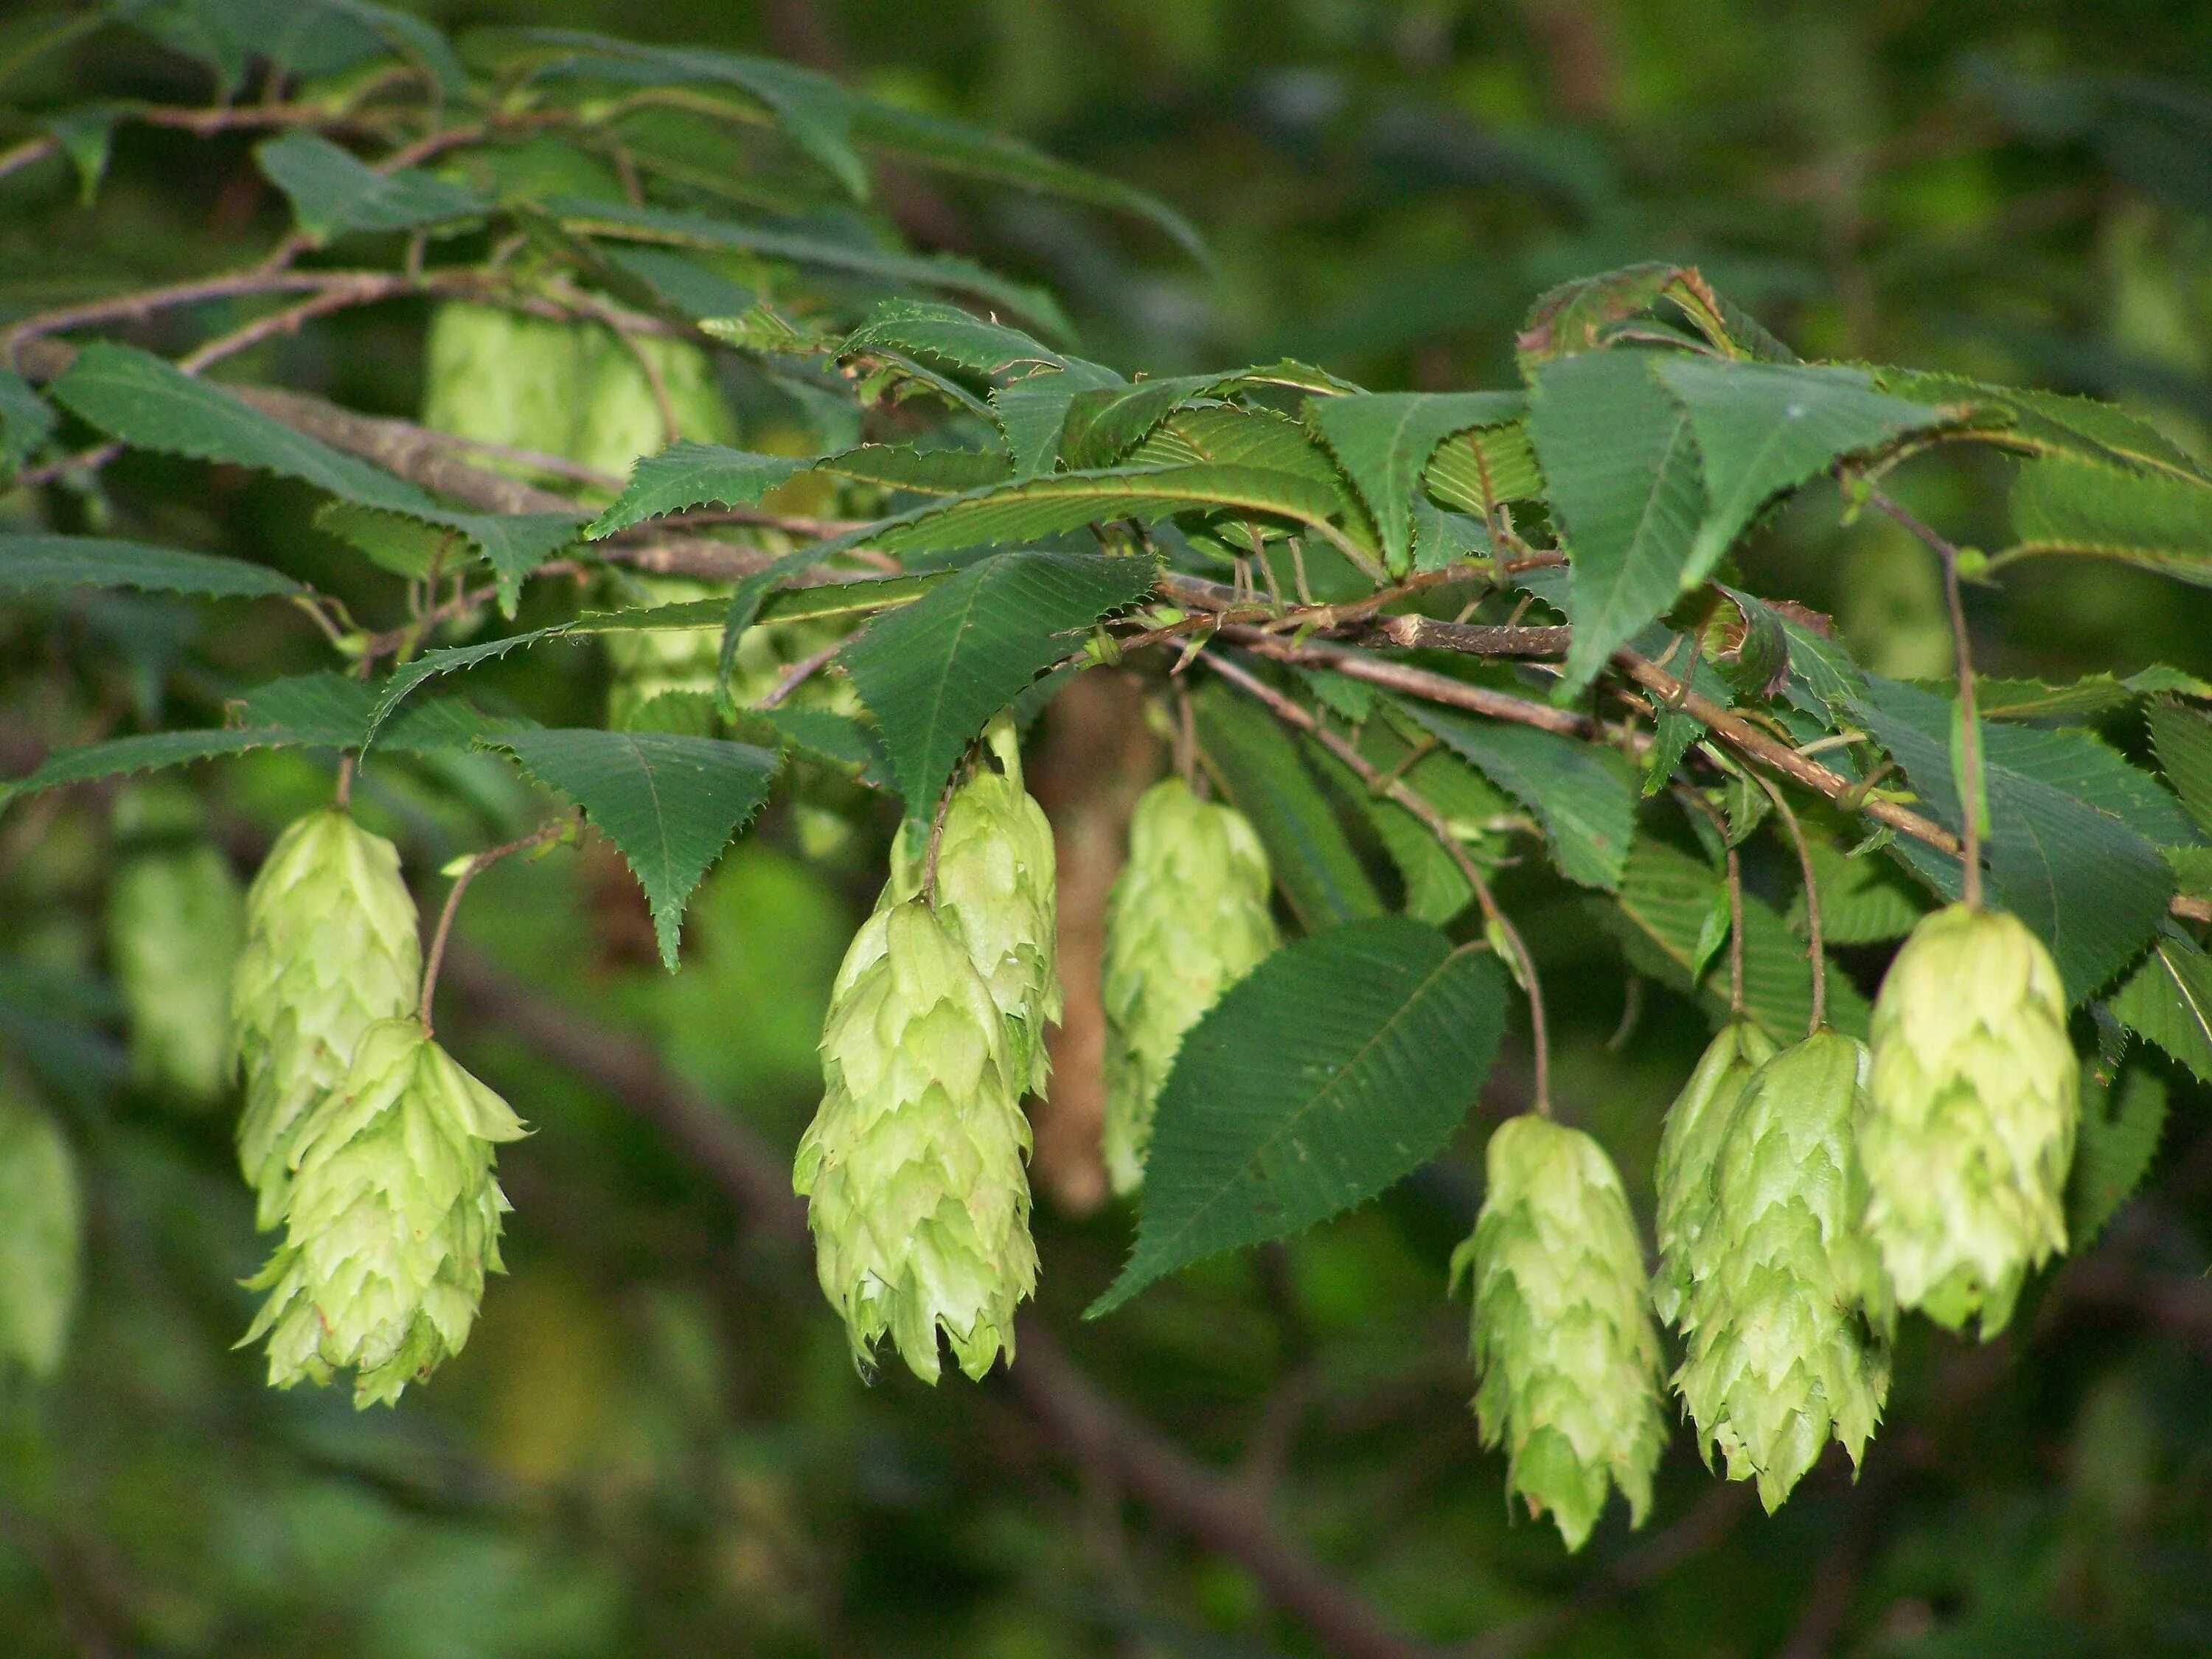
1786,1315
39,1222
176,924
1688,1144
330,949
913,1168
996,893
393,1220
1562,1339
1187,919
1973,1108
571,390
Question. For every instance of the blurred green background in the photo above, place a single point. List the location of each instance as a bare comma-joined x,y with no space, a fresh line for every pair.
655,1442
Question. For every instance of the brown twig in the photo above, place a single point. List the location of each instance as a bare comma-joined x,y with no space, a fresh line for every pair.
469,871
1969,734
1814,954
799,673
1415,682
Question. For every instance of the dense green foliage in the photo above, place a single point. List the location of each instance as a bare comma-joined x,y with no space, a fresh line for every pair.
656,487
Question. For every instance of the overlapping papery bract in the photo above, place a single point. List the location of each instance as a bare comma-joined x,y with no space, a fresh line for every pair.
1973,1106
1786,1315
1563,1342
913,1166
1689,1143
1187,919
996,893
40,1220
175,927
330,949
393,1220
573,390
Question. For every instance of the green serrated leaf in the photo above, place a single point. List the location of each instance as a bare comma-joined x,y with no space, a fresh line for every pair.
25,421
40,563
917,471
2182,738
1480,473
1259,769
1582,794
1622,473
146,401
1058,502
118,757
946,334
1661,915
687,475
2121,1126
2168,1000
670,803
934,671
1386,441
1764,429
620,222
1338,1066
332,192
2068,850
957,148
2159,522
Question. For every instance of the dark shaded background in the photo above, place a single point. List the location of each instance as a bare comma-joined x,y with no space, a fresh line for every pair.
655,1442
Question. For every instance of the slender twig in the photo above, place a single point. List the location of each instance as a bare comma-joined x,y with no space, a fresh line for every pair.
22,155
364,291
469,871
1969,735
1736,933
1692,799
936,839
1416,681
1413,801
1815,953
798,674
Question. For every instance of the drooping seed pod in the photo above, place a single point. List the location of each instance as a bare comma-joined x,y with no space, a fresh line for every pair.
1187,919
623,416
176,922
1689,1143
330,949
572,390
1562,1339
1972,1107
501,377
913,1168
391,1222
1788,1315
996,893
39,1233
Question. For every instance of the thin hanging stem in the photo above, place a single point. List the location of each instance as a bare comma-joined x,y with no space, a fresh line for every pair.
1186,736
1970,726
936,840
1419,804
475,867
1691,797
1814,954
1735,934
